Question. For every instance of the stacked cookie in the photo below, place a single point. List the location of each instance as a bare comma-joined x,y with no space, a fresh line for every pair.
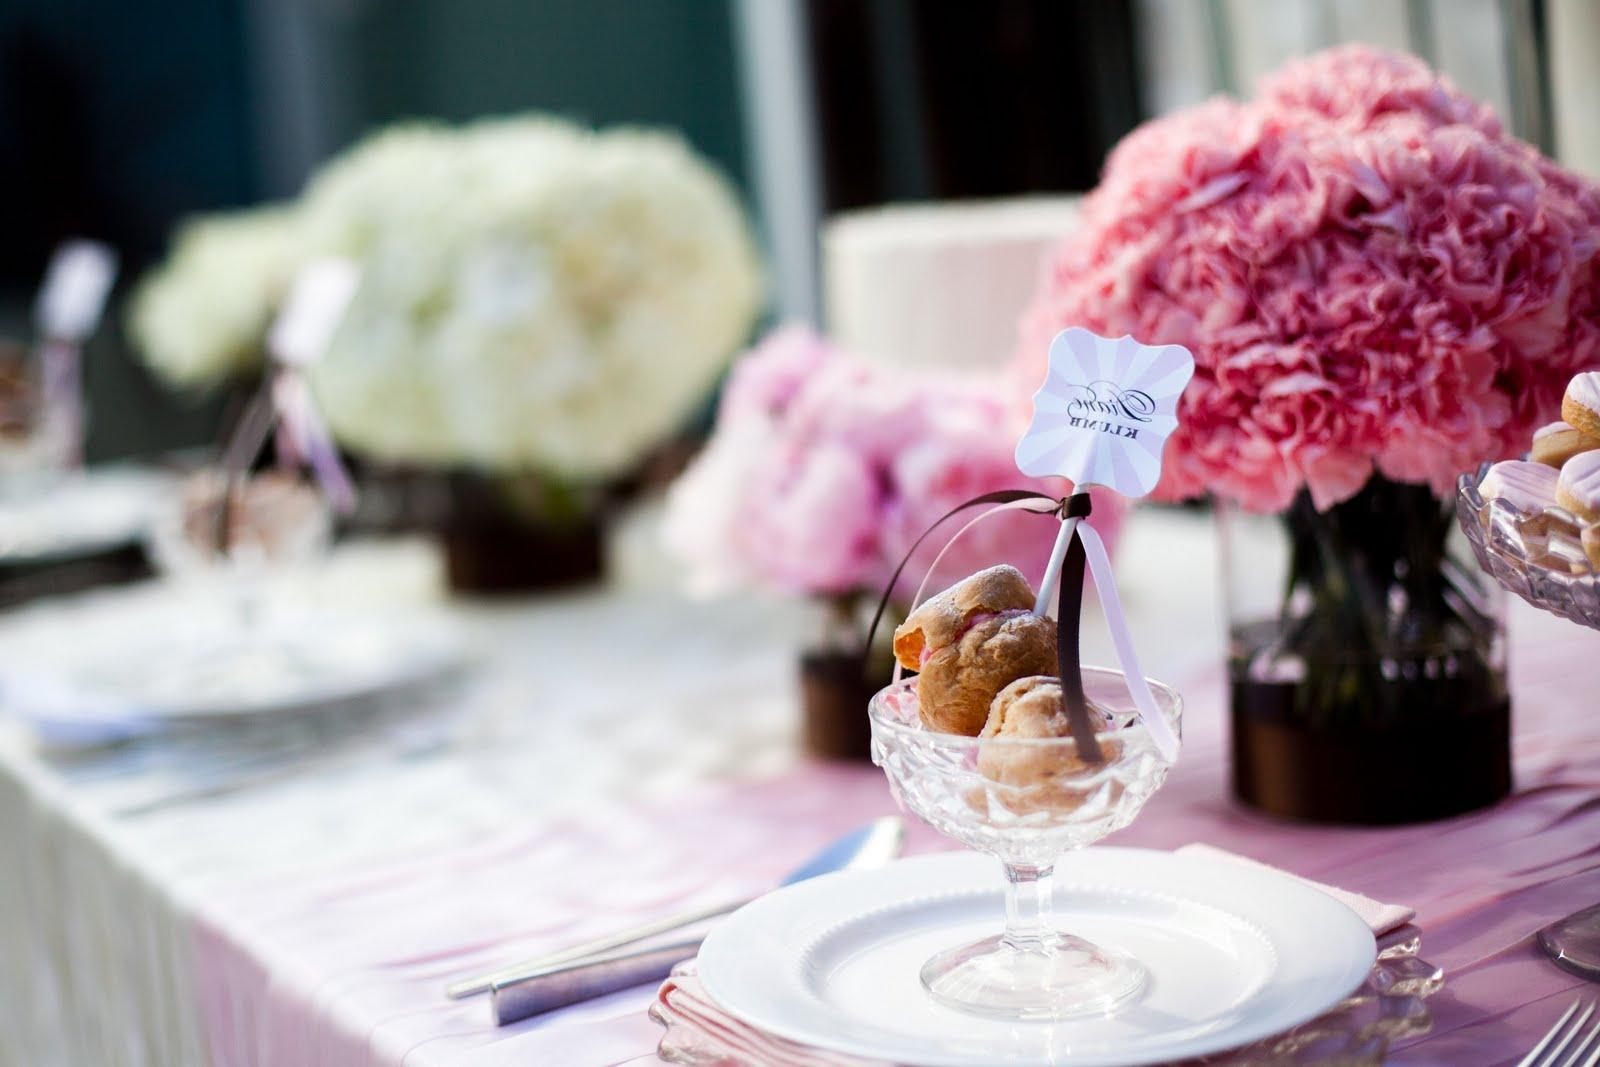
1558,486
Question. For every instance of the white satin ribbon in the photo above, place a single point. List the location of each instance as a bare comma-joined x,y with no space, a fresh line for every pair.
1161,731
307,439
1099,565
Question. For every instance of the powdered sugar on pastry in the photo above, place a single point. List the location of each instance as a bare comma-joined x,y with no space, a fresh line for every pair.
1581,405
1549,429
1528,487
1558,442
1578,487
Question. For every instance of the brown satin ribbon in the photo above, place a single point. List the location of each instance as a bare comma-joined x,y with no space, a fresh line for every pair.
1069,623
1069,604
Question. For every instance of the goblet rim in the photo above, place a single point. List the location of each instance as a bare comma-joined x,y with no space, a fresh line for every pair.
878,713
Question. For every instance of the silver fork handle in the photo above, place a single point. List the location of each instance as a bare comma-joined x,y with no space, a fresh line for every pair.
471,987
1543,1055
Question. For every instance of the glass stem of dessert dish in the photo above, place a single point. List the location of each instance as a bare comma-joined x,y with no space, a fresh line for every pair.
980,746
1033,970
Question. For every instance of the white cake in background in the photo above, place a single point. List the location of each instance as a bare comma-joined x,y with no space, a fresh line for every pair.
938,285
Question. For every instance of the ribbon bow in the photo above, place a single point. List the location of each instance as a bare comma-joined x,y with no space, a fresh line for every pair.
303,438
1077,548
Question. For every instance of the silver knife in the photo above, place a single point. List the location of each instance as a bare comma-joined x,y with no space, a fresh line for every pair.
869,840
603,966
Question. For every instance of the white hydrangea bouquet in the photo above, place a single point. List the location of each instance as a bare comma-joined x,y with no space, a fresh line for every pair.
535,295
202,317
541,303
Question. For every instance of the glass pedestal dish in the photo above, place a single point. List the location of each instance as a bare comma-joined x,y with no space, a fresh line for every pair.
1529,554
1026,802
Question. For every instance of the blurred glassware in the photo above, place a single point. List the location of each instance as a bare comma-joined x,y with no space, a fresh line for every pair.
224,536
1026,801
240,526
25,447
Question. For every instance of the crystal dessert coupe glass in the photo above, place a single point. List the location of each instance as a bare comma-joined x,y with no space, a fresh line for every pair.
214,527
1026,802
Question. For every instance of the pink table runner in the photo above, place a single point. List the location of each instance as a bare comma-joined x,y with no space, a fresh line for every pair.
348,969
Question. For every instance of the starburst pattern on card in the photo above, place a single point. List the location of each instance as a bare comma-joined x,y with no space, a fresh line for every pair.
1105,410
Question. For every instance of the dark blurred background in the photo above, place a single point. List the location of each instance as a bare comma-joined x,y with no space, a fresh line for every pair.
119,119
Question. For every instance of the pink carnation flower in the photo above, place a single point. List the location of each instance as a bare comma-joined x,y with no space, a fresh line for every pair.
1370,273
823,471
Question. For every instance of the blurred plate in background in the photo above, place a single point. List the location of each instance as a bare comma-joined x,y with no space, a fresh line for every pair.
52,521
94,669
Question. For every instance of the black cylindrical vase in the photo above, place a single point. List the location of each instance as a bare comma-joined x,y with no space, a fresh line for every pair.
835,688
1373,775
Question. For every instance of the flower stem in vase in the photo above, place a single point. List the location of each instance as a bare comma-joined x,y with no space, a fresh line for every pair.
1383,648
1372,612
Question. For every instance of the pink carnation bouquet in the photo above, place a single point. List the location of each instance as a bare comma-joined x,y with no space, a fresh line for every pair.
1381,289
822,471
1371,274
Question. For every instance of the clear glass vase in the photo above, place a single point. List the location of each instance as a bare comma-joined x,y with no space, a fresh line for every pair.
1366,660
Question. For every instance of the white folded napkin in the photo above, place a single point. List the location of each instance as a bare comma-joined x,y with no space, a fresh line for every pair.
698,1030
1382,918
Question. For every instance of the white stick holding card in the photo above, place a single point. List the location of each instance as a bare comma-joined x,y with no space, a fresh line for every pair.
66,314
1102,418
302,332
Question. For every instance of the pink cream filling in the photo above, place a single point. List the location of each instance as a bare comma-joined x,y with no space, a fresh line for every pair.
976,618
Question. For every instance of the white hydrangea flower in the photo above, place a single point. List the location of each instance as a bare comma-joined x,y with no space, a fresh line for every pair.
202,317
534,296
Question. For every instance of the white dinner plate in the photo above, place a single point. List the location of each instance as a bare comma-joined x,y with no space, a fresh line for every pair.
80,514
1235,954
318,663
108,665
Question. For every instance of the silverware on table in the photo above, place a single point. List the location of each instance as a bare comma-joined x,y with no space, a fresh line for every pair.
1548,1052
585,979
1574,943
470,987
597,967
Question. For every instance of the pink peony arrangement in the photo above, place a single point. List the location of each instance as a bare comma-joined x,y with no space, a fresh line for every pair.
1371,274
822,471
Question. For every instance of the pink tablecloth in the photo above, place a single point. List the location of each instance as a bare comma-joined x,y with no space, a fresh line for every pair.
349,969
